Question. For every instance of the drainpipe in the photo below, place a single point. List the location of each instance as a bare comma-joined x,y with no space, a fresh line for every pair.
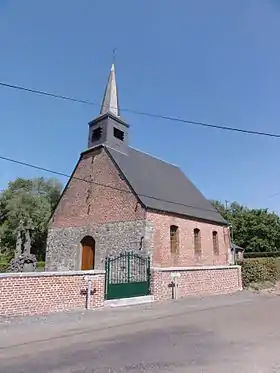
230,250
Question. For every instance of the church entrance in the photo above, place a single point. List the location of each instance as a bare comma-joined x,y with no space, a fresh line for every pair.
88,253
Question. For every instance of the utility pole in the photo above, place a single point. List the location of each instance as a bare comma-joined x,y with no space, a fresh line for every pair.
226,203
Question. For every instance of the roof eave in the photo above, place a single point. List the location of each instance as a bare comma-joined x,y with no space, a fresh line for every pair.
189,217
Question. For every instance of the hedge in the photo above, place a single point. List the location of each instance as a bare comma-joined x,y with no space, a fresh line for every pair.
4,267
258,270
269,254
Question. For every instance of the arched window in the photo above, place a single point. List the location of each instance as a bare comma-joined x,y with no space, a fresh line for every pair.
174,239
215,242
197,242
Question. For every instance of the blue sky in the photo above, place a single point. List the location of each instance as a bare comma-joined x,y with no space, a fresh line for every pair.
215,61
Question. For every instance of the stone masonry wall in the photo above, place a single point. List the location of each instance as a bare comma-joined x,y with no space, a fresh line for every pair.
42,293
111,214
160,223
195,281
64,251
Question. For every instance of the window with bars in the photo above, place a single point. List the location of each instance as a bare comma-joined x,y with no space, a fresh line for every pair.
197,242
215,243
174,239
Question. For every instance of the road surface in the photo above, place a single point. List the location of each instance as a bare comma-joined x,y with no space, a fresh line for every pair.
237,333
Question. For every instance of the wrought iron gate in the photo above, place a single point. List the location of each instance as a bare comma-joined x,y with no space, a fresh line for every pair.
127,275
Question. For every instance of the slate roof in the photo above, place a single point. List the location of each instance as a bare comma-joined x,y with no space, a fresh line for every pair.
163,186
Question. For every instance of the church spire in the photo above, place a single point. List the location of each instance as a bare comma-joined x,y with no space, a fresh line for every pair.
108,129
110,100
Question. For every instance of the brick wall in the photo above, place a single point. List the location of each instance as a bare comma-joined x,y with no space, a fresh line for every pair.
46,292
40,293
160,242
85,203
195,281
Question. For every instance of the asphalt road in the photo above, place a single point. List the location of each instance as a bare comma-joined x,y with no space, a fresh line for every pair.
239,333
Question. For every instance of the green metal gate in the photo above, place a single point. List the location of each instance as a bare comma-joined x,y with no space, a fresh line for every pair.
127,276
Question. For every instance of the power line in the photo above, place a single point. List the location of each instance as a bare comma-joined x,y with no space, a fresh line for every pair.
30,165
73,99
274,195
152,115
43,93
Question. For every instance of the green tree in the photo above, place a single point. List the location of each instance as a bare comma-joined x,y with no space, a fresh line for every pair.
256,230
27,199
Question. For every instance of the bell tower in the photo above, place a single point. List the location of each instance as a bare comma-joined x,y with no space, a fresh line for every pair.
108,128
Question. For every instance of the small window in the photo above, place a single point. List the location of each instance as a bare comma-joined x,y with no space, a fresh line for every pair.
118,134
96,134
215,242
174,239
197,242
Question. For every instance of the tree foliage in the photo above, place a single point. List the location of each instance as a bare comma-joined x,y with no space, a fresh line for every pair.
27,200
256,230
259,270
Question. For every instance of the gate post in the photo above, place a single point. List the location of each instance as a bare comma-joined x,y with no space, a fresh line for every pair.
149,274
107,275
128,267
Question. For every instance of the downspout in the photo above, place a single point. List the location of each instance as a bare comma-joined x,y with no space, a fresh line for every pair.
232,249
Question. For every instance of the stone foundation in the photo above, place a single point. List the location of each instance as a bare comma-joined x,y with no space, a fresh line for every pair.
64,249
196,281
41,293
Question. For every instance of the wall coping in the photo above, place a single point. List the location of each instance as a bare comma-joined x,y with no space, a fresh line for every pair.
52,274
194,268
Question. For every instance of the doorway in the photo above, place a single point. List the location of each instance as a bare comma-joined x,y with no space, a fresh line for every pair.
88,253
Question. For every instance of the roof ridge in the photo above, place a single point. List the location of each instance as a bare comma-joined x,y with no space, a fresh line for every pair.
116,150
152,156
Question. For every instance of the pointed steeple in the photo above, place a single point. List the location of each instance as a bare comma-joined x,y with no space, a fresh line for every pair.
109,129
110,100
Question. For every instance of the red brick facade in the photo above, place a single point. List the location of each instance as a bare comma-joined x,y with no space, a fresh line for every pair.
196,281
185,256
31,294
85,203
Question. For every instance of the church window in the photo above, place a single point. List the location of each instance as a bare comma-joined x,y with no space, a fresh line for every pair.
174,239
215,243
118,134
197,242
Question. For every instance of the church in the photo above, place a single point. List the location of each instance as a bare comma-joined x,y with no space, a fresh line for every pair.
120,199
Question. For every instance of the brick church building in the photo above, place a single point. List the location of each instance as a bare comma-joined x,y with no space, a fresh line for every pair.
119,199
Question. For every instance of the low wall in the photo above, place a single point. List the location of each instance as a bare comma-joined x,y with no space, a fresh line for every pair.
192,281
39,293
